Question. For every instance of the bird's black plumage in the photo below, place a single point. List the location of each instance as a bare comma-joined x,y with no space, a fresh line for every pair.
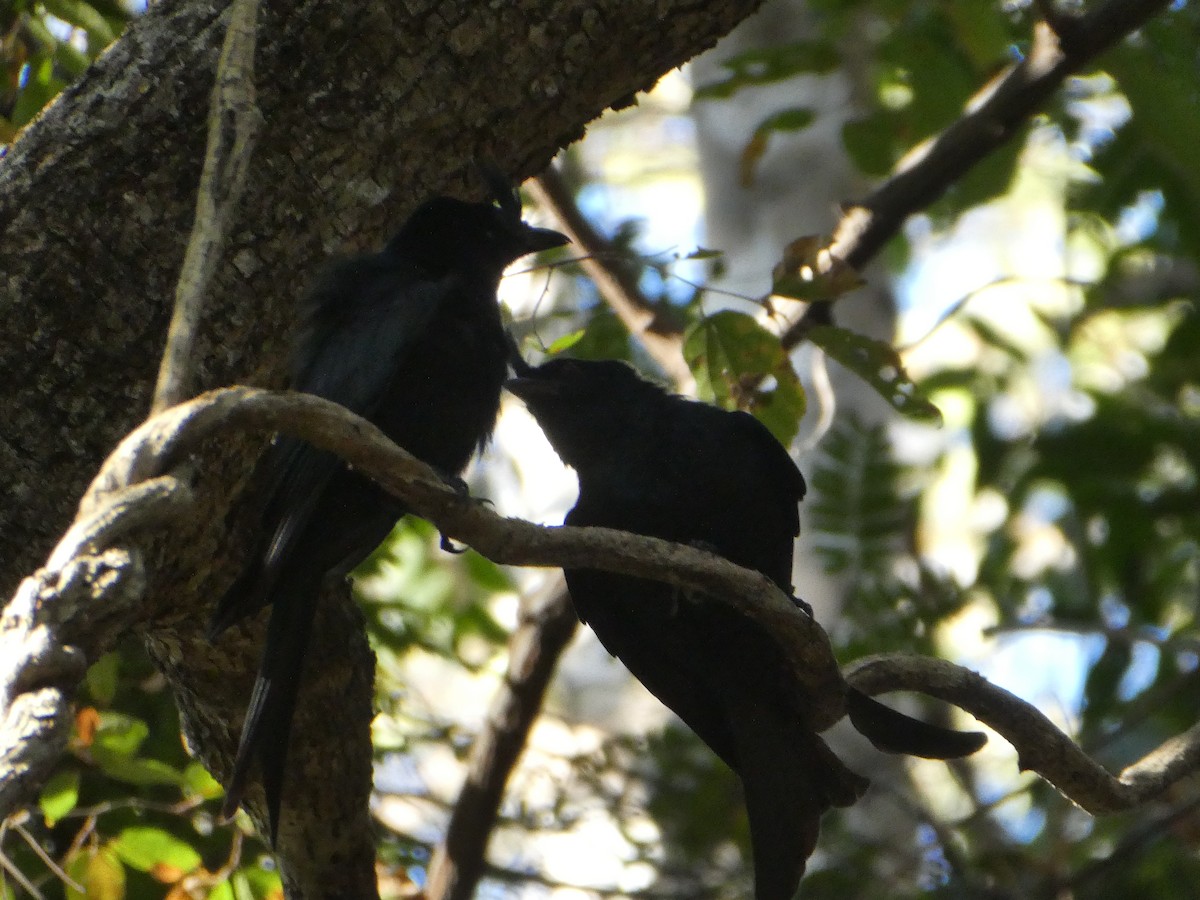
657,464
411,339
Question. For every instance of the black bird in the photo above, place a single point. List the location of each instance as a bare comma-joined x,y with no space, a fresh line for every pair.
411,339
657,464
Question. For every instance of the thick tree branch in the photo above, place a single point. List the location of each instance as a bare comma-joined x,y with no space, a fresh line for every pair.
164,441
992,117
49,628
1041,747
656,330
234,122
548,622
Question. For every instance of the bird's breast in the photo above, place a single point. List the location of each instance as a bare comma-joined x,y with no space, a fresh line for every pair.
443,403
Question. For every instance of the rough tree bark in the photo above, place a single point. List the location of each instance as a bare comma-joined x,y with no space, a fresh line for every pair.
368,107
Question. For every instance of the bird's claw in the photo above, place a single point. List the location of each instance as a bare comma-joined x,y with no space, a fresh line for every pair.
807,608
455,483
460,487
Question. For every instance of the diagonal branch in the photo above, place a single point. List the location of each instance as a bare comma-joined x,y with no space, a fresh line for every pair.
992,117
164,441
662,338
48,635
548,623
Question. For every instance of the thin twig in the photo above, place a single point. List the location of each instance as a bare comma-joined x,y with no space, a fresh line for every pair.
659,334
234,121
46,858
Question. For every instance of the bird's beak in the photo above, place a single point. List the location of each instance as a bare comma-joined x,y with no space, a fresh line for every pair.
515,359
535,239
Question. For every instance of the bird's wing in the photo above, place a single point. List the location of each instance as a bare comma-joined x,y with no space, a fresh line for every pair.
363,318
778,463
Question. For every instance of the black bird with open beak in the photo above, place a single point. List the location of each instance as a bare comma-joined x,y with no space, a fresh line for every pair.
656,464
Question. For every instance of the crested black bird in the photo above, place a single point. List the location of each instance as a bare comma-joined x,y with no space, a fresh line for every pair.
657,464
411,339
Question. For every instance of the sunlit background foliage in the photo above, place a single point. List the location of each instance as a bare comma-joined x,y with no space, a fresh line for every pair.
1041,527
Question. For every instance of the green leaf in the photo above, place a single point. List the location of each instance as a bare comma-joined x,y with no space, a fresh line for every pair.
784,120
59,796
145,849
102,678
878,364
870,142
704,253
984,38
603,338
256,883
565,342
70,60
858,511
198,781
119,734
140,771
488,576
40,88
732,356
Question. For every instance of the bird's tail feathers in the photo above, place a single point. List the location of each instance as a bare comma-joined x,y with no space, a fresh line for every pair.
268,723
790,777
245,597
894,732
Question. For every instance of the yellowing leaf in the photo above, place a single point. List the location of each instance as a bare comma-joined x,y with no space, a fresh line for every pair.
784,120
810,272
99,873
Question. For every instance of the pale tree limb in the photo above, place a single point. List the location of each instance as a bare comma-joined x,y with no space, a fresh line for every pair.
234,122
991,118
50,628
1041,746
64,617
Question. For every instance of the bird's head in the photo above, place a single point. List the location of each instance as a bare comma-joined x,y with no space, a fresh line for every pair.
586,407
445,234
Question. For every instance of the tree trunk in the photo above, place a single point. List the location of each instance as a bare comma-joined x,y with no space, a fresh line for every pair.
368,108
